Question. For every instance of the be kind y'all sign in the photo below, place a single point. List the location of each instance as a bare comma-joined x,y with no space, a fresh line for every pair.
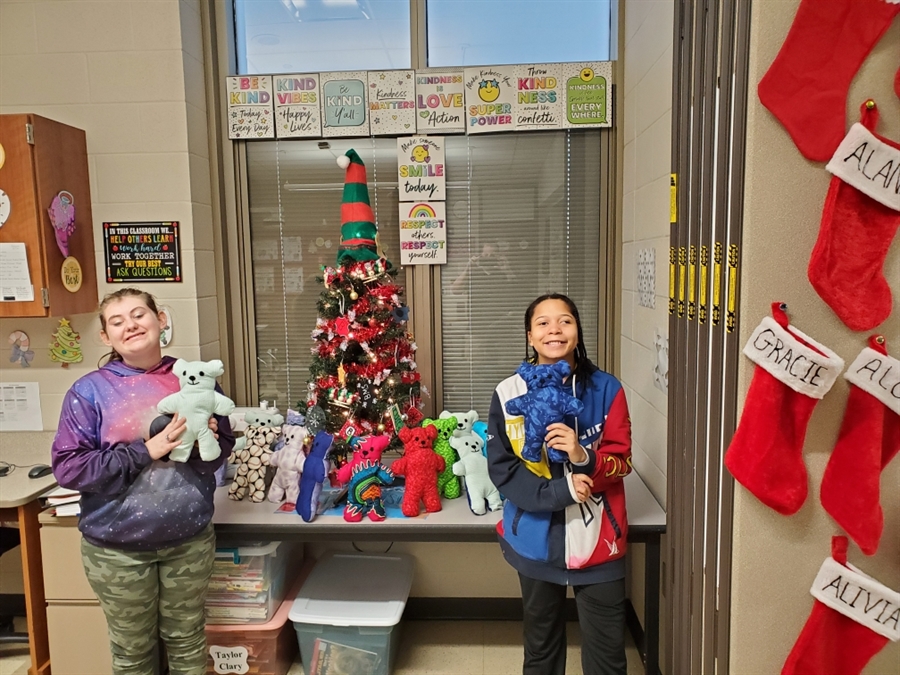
393,102
142,252
420,168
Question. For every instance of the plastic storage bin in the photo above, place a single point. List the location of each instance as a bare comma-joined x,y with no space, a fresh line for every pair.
248,581
348,612
260,649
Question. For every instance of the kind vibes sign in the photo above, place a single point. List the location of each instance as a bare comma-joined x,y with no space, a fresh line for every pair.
479,100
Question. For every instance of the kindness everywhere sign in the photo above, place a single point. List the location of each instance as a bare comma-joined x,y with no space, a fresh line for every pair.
479,100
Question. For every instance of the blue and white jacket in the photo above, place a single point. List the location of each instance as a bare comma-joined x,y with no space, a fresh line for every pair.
545,533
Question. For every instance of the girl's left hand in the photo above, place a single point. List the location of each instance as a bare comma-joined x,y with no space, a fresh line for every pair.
562,438
214,427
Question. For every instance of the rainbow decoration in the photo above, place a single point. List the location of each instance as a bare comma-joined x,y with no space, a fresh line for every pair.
422,211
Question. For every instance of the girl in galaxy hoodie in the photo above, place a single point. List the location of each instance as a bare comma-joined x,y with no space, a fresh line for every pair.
148,543
564,524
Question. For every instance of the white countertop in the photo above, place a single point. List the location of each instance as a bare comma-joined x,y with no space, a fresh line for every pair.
24,448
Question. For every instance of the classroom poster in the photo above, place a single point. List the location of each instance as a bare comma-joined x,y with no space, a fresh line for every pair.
588,94
344,104
392,102
490,98
421,173
423,233
297,101
142,252
440,103
539,96
250,113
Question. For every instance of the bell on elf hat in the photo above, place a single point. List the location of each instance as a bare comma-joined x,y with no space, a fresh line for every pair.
358,229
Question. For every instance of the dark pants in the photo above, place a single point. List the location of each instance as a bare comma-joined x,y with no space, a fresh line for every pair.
601,616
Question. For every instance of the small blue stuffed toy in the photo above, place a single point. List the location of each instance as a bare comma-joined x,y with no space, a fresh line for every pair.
315,470
546,402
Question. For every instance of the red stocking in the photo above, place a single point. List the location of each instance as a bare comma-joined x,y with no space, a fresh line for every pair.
794,372
869,439
852,619
806,86
859,221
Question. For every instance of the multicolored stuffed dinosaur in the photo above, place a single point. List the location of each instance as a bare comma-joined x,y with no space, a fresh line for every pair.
365,475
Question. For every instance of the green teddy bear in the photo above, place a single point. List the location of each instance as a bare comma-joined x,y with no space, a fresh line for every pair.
448,484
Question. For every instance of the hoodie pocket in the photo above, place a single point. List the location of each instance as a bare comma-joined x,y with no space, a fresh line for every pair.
528,533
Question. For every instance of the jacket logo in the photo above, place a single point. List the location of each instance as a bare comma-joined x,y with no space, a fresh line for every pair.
612,545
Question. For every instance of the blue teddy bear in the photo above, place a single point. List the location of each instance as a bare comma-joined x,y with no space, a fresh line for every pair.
547,401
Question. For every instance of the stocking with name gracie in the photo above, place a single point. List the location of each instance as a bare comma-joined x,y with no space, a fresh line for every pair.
852,619
859,220
869,439
793,372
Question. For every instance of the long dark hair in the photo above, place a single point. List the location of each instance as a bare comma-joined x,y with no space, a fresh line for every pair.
109,298
584,367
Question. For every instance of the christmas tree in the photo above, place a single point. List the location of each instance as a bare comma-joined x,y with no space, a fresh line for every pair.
363,377
66,347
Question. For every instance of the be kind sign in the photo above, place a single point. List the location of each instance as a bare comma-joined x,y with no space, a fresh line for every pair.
420,168
250,107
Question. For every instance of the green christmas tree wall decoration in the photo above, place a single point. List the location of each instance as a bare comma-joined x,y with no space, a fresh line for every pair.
66,345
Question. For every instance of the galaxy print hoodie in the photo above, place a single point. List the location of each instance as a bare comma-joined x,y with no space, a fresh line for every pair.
128,500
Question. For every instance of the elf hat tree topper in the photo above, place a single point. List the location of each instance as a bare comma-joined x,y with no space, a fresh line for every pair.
358,228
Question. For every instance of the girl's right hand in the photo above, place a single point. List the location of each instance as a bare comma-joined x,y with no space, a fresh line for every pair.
582,484
168,439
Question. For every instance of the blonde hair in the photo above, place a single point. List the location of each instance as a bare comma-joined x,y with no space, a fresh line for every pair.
110,298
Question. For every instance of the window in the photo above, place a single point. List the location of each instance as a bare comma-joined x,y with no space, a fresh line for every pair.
497,32
295,207
311,36
523,220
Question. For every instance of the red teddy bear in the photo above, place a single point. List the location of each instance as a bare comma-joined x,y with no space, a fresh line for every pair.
421,466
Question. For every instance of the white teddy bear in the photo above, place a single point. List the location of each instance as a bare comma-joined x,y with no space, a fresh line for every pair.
252,458
197,401
464,422
474,466
289,460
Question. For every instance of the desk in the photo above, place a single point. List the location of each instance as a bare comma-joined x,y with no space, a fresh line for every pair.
646,523
18,501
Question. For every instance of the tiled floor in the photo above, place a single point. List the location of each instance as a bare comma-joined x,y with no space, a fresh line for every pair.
429,648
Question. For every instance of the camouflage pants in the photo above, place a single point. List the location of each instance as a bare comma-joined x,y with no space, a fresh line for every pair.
151,594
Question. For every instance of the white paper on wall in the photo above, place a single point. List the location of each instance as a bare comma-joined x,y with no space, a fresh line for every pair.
297,106
661,365
646,277
392,102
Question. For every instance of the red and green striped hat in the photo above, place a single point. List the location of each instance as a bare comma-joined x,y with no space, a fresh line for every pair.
358,227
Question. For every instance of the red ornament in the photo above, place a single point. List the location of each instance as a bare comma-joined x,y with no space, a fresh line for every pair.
342,326
414,416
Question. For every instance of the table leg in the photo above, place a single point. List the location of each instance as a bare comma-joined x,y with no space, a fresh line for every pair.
33,576
651,607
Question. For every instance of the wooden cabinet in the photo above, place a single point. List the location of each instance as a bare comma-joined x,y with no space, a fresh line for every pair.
42,160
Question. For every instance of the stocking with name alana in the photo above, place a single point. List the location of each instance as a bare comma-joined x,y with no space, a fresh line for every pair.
793,373
859,220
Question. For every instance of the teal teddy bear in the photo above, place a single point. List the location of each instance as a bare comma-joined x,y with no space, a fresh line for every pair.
449,485
197,401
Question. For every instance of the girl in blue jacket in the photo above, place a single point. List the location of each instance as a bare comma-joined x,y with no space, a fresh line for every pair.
564,524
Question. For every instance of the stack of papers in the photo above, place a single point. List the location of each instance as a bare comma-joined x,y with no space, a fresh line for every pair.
63,501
